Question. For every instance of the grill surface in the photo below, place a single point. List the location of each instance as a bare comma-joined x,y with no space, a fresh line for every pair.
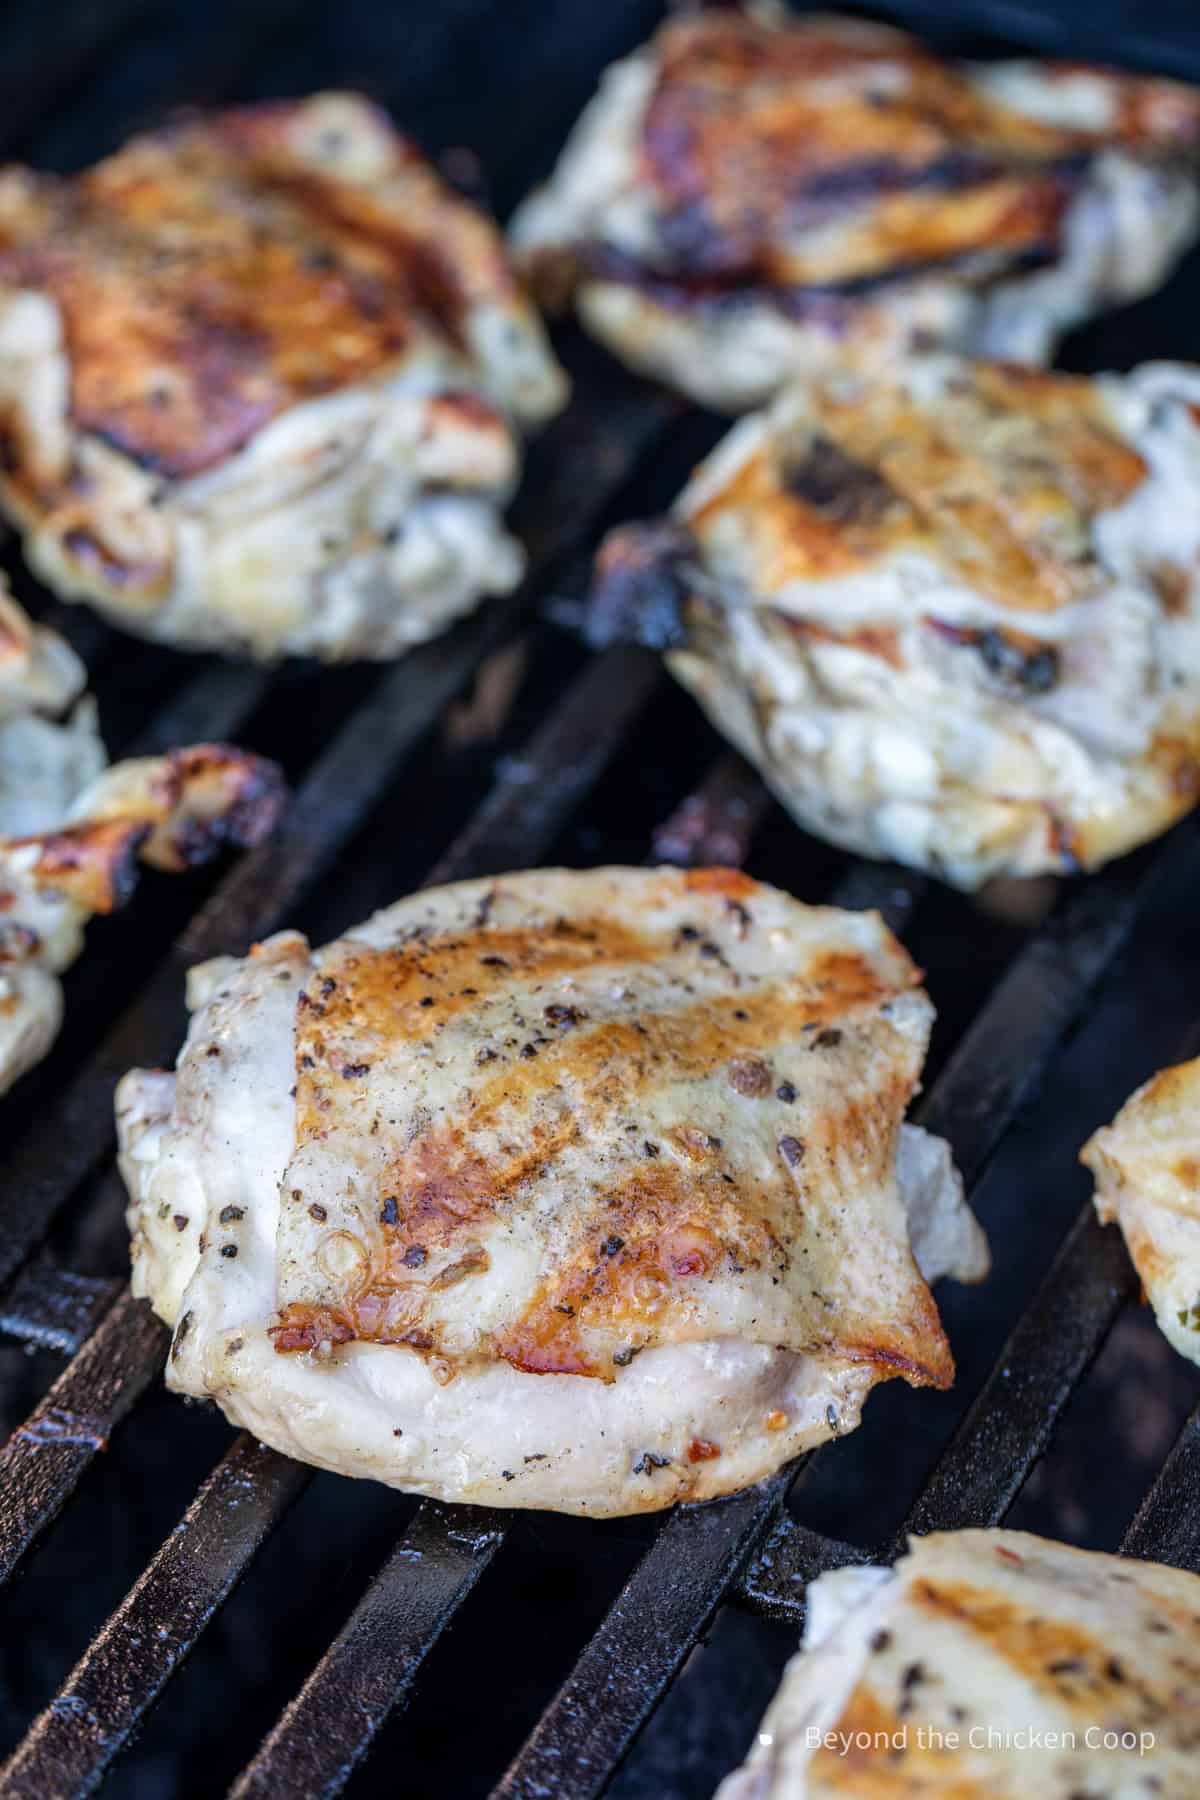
502,746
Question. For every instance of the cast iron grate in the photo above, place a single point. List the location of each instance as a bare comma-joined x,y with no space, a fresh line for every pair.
575,731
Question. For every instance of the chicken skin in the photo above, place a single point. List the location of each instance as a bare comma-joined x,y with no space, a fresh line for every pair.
587,1191
754,196
261,376
987,1665
953,614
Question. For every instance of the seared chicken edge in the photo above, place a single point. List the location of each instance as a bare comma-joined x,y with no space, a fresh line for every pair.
1147,1170
72,831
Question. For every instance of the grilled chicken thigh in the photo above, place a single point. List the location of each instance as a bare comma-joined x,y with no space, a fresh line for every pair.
990,1664
1147,1170
586,1191
72,831
751,196
953,615
259,380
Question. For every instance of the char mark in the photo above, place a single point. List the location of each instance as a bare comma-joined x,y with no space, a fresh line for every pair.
833,484
870,178
832,306
640,585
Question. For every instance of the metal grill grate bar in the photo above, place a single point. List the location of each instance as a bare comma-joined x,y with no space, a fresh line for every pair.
216,703
792,1555
529,803
54,1308
71,1744
1052,1346
536,792
512,826
45,1458
1005,1432
994,1450
1166,1527
641,1646
716,823
372,1664
1003,1054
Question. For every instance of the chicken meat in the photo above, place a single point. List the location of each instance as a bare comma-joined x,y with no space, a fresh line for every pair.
1147,1170
988,1665
576,1190
72,830
261,375
953,615
752,196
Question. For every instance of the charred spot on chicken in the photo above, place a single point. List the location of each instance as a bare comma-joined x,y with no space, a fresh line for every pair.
952,613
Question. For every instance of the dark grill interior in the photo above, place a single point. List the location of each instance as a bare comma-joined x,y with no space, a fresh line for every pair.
482,1652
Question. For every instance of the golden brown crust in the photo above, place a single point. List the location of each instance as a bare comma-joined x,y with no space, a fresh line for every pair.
999,482
173,812
208,278
994,564
751,127
756,129
1066,1626
261,377
679,1206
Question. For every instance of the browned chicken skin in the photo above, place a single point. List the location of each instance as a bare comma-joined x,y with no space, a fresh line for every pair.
987,1665
754,195
587,1190
952,612
241,358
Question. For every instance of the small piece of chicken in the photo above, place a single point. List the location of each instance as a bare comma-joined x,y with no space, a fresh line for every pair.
752,196
584,1191
72,831
50,746
1147,1170
953,615
259,374
988,1665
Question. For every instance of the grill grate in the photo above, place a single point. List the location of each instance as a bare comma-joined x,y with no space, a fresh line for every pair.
564,787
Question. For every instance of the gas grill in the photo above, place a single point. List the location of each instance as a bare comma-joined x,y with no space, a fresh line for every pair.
386,1645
